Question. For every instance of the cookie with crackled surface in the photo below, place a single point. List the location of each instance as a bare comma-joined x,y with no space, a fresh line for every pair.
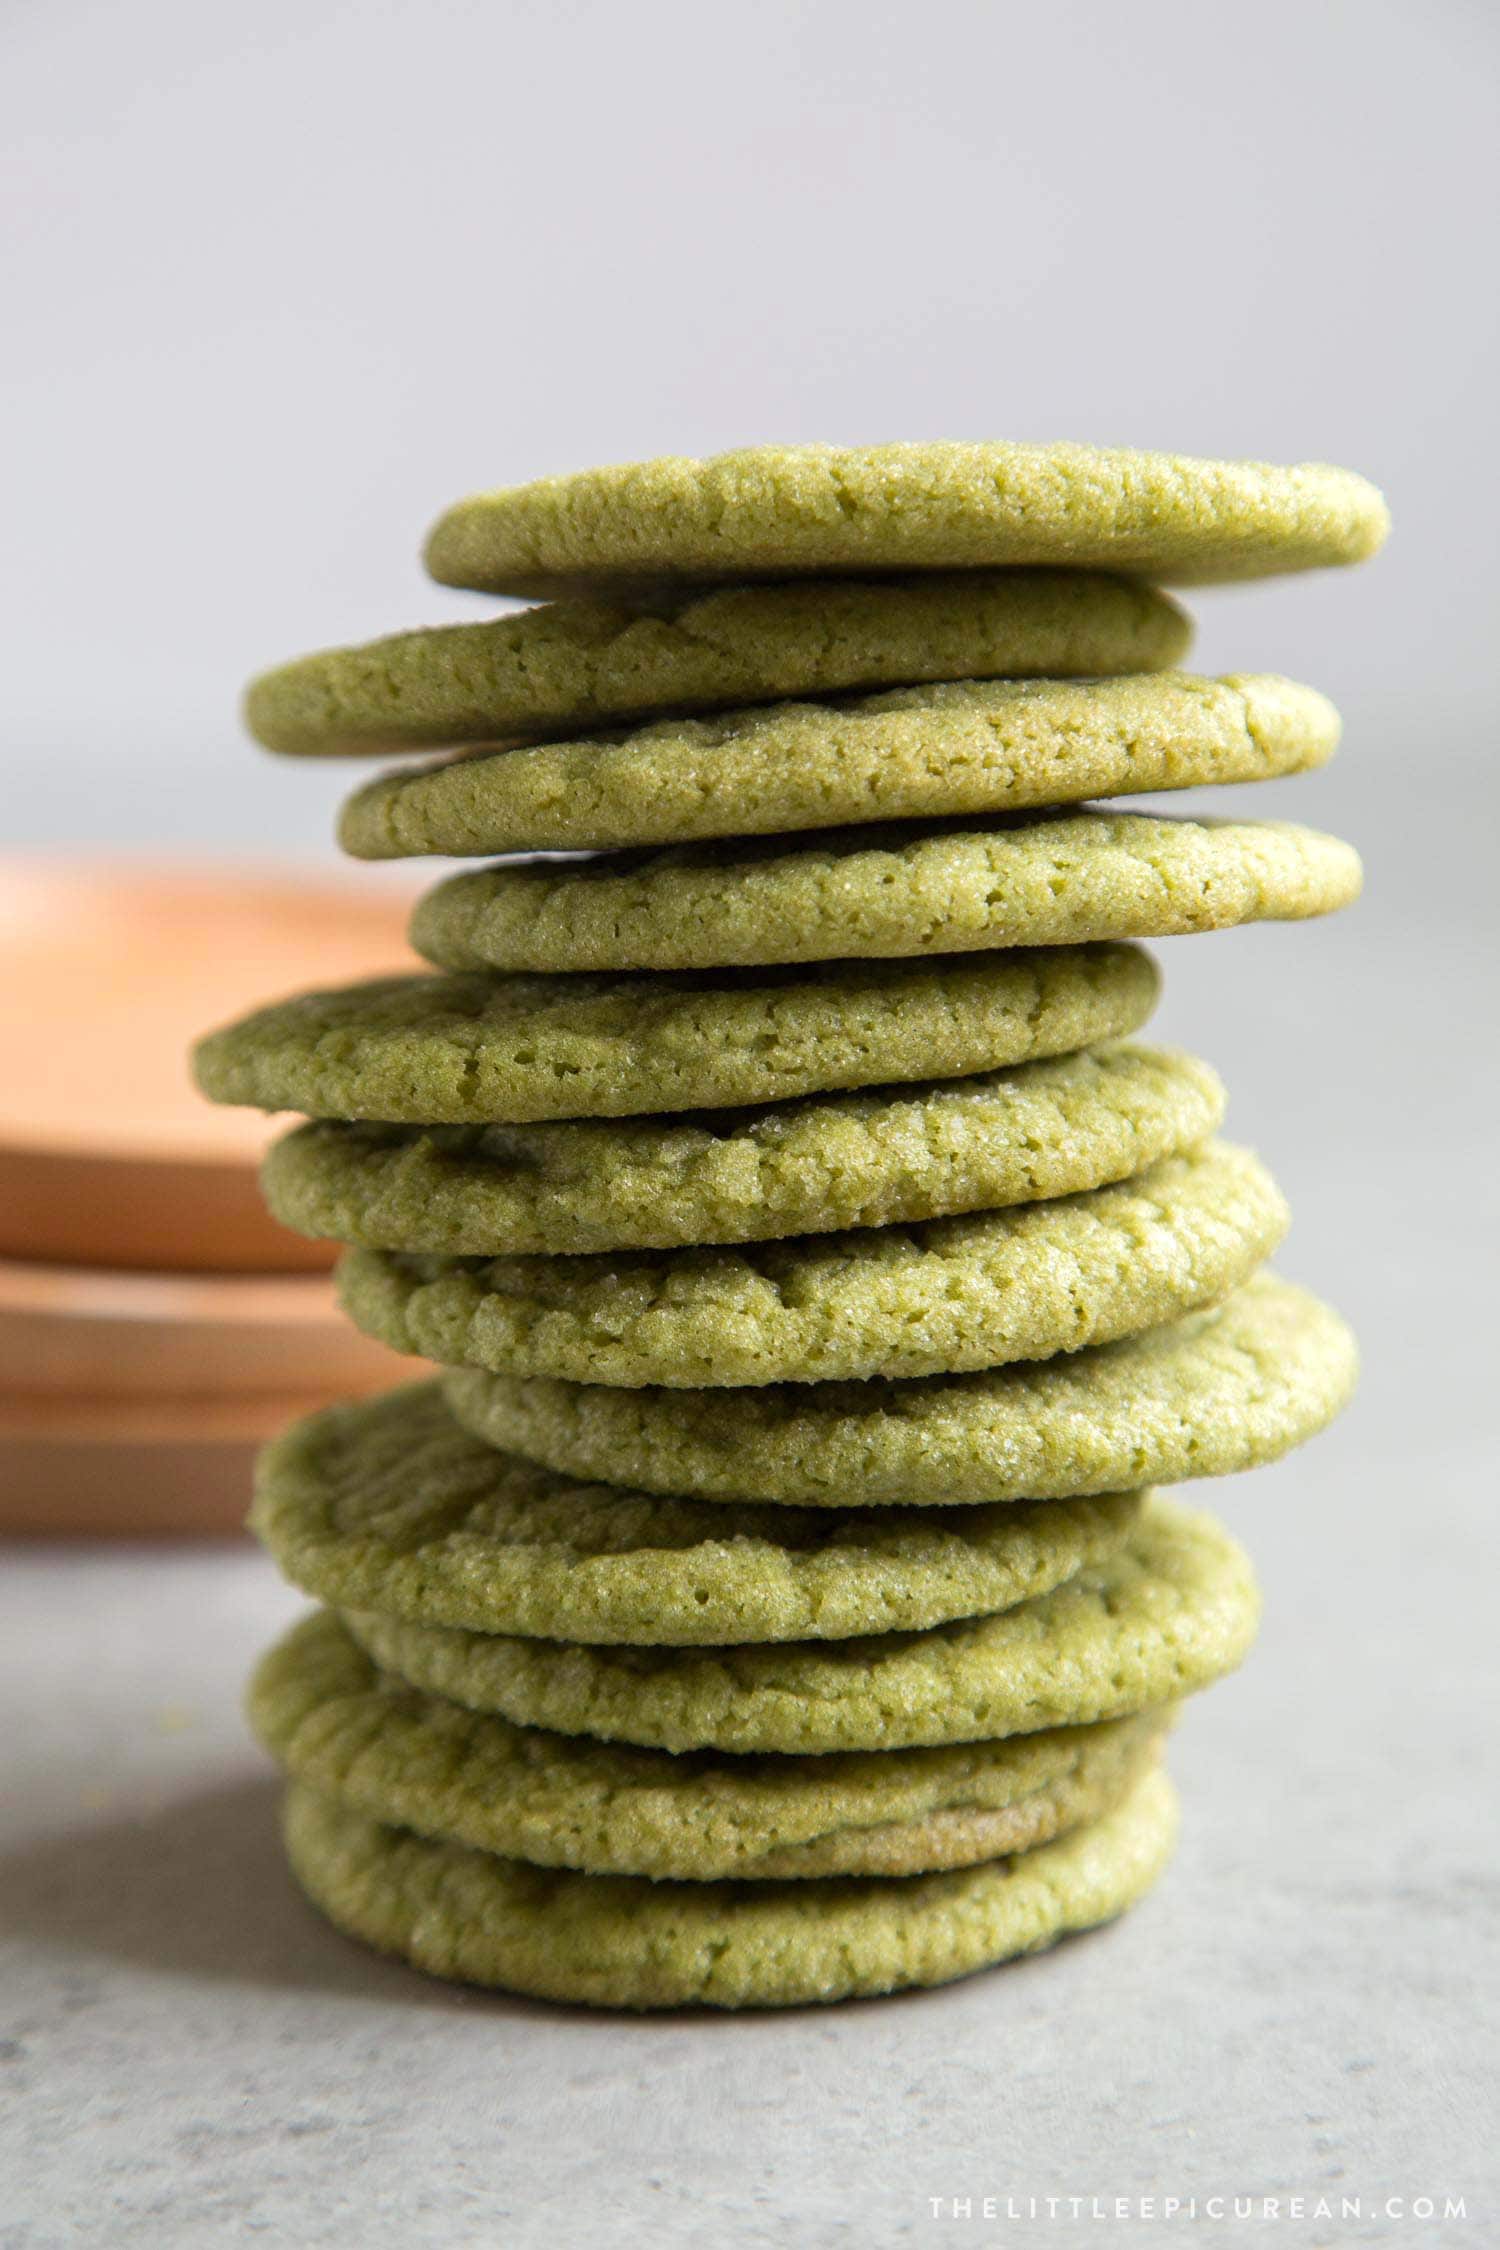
587,664
479,1049
961,748
335,1722
778,511
895,1302
625,1942
1205,1396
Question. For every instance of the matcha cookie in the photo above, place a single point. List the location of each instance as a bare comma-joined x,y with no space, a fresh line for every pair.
921,753
333,1721
1046,879
475,1050
1174,1607
582,664
387,1504
774,511
968,1292
619,1941
660,1183
1217,1392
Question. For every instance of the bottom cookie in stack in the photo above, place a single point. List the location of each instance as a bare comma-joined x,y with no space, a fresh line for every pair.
600,1745
618,1941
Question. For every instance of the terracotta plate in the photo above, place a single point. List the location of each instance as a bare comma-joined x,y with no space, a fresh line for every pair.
145,1469
108,970
72,1331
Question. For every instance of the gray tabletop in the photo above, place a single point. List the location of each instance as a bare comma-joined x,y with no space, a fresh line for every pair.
1305,2009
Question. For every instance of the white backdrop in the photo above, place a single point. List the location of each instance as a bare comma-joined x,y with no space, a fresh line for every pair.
278,281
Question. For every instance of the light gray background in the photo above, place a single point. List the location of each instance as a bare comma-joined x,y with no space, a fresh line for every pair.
280,280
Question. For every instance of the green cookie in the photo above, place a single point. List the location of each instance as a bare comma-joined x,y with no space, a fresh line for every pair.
581,664
478,1050
838,1160
333,1721
774,511
992,747
387,1504
1216,1392
969,1292
1049,879
1170,1610
619,1941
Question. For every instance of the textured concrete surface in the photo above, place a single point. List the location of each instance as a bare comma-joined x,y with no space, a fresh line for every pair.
1306,2008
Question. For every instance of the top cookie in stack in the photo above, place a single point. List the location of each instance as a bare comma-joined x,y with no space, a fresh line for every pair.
768,1605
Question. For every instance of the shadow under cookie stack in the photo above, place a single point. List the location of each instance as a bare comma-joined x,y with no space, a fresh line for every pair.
772,1603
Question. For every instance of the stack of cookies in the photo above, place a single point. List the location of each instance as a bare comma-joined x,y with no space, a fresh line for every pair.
773,1601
